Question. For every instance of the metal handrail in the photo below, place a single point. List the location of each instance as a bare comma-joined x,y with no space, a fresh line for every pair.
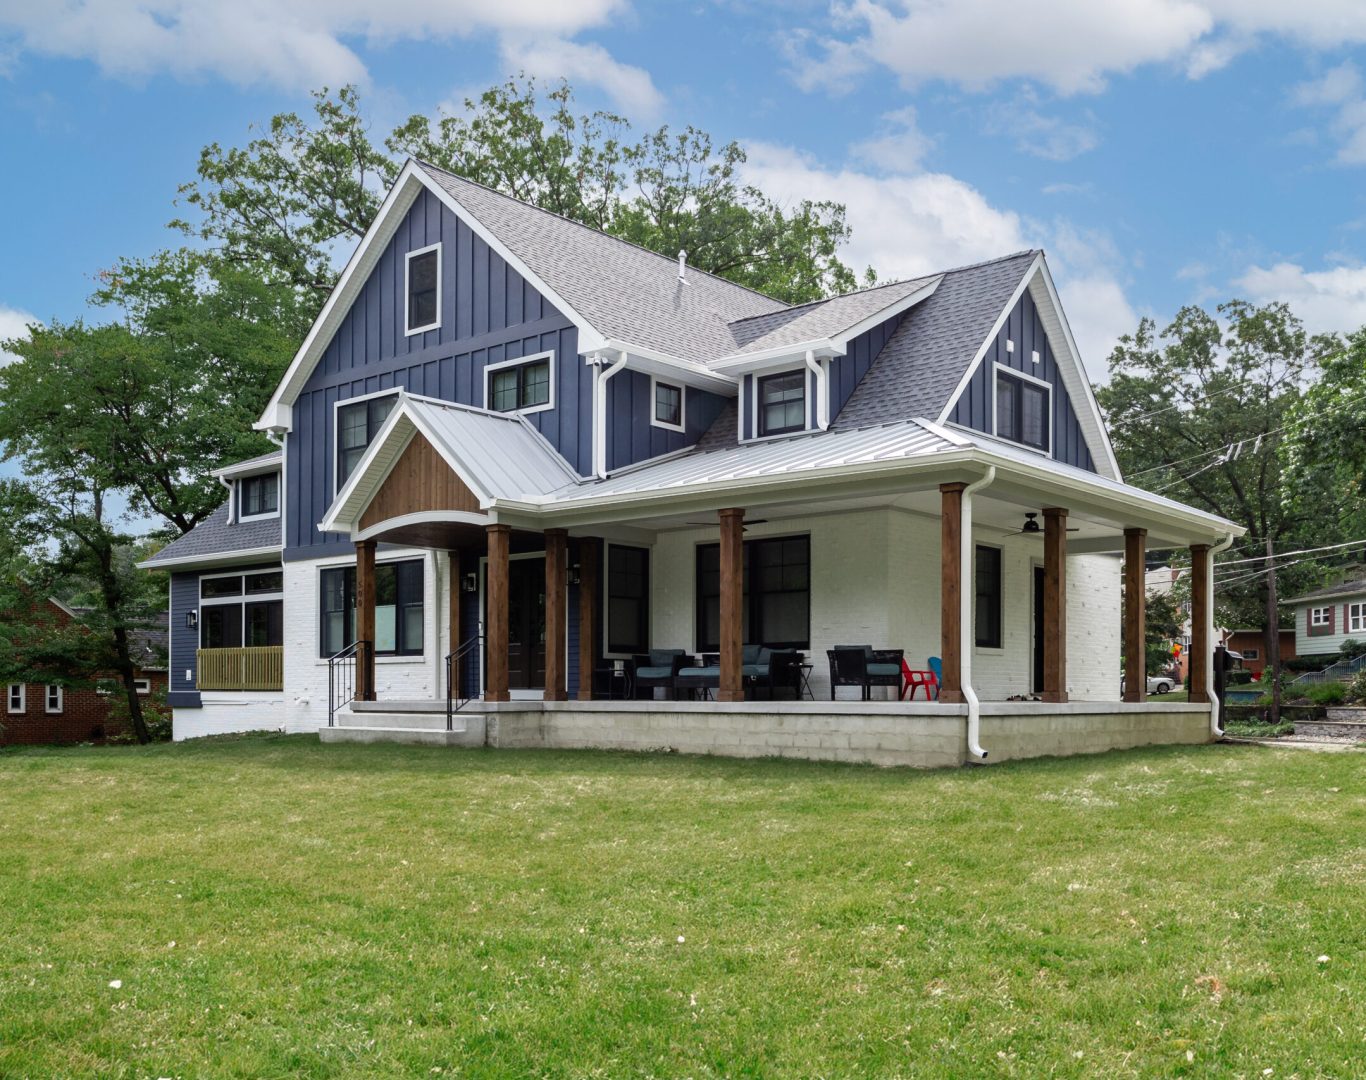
341,678
1332,671
455,702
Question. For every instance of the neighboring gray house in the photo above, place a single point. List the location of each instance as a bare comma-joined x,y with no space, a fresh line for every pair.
548,452
1327,617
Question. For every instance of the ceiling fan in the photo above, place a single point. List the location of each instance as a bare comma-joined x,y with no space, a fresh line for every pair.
743,525
1031,527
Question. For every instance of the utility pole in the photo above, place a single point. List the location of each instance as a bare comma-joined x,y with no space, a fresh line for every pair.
1273,634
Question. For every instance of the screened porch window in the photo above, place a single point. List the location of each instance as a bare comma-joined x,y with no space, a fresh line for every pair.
398,609
776,609
357,426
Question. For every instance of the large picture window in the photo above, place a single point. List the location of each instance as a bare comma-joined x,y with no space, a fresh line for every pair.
987,576
776,610
398,609
1022,408
519,387
357,425
782,403
628,599
424,289
242,609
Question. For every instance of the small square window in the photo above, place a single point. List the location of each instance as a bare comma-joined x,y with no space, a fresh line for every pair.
260,495
782,403
668,405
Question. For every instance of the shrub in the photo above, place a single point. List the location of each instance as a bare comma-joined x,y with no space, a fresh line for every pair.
1351,648
1356,688
1239,678
1331,693
1312,663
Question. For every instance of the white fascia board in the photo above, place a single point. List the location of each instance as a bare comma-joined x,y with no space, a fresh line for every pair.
410,181
655,362
971,369
224,558
748,363
235,472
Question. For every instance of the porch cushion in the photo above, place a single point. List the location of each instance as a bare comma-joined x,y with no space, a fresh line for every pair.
663,658
860,648
755,671
710,672
654,672
884,670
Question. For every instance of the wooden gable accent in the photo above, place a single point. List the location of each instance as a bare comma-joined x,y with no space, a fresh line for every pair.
419,481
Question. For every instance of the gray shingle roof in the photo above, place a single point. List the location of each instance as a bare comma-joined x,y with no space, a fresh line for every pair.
1331,592
820,319
920,367
215,537
624,291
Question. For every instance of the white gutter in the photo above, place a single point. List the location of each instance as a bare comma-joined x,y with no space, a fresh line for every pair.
966,640
1215,702
822,374
600,411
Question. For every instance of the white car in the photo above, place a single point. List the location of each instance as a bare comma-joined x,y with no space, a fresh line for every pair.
1157,684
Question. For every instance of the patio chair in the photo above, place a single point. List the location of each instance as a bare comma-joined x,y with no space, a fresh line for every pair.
697,679
913,680
864,667
774,670
659,668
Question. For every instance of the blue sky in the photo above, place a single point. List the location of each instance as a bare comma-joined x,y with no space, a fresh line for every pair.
1162,151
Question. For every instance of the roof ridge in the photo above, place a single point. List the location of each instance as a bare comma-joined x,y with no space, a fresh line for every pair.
589,228
836,296
988,262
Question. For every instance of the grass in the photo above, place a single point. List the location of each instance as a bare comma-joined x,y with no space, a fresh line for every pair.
271,907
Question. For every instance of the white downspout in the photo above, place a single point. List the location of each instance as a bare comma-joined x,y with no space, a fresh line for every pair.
600,411
822,390
1214,728
966,640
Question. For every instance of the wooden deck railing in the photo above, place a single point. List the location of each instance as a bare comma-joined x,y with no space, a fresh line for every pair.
260,667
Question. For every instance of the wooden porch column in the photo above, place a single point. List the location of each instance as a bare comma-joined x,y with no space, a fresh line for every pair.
1197,660
590,557
496,629
1054,604
453,617
365,620
1135,616
556,566
951,592
732,601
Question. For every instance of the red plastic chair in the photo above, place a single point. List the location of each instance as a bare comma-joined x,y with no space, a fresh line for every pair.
911,681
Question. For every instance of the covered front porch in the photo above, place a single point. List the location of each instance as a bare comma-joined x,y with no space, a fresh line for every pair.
551,608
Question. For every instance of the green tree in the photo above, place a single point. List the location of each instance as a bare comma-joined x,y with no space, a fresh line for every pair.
1161,628
304,190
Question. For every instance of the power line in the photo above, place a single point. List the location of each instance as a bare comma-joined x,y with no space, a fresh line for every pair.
1300,551
1127,420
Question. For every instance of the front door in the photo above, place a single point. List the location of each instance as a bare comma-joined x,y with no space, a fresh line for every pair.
526,624
1038,629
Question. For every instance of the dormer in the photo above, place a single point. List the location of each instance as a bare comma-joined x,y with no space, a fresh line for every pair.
255,490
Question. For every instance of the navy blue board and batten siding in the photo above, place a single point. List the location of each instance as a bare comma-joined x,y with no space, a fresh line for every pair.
631,434
976,405
847,371
489,313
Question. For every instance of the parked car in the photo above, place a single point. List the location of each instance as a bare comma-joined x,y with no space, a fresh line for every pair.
1157,684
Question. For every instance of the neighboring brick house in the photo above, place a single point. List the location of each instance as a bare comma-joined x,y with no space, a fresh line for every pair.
1250,644
35,714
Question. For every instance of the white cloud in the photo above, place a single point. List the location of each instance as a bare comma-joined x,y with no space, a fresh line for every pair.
900,150
299,45
913,223
1047,137
1341,89
630,88
13,324
1073,46
1331,300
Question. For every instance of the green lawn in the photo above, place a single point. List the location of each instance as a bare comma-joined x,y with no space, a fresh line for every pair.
272,907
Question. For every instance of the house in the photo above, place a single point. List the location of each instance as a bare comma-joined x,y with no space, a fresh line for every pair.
515,453
1327,617
39,714
1251,646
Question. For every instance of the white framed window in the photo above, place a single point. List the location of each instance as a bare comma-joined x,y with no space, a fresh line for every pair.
422,287
1356,618
1252,654
258,496
15,698
53,699
1023,410
667,403
241,609
523,385
1321,616
142,686
356,422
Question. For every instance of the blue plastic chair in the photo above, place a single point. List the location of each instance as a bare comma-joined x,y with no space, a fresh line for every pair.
937,666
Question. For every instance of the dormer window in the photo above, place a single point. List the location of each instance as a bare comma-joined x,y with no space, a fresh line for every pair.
668,405
424,289
526,384
782,403
258,496
1023,408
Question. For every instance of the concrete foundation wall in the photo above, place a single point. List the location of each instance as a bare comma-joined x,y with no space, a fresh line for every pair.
230,712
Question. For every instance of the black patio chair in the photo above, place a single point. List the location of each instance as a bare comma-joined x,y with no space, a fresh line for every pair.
781,671
864,667
659,668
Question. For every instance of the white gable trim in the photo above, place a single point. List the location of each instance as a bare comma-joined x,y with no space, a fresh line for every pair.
411,180
1039,282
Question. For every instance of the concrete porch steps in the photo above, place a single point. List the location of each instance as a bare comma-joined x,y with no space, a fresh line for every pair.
408,735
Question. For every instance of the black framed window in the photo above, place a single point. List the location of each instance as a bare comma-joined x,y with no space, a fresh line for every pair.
776,608
628,599
244,609
669,404
782,403
523,386
424,279
1022,411
398,609
220,626
259,495
987,576
357,426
